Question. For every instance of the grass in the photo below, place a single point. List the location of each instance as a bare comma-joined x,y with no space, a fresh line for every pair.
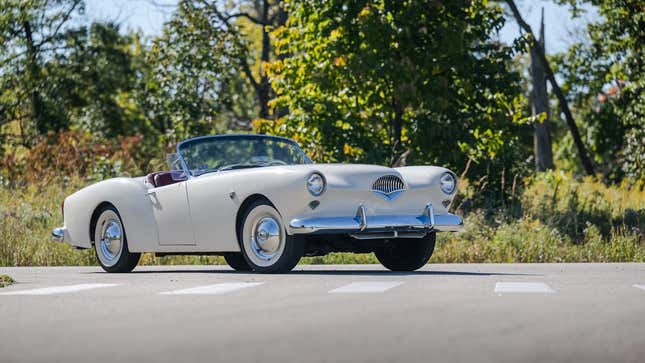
5,280
557,218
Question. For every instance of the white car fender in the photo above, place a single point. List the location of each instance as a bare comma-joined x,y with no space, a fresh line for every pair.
129,197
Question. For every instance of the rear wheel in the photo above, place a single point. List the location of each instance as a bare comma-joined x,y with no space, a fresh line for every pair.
265,245
111,244
407,254
237,261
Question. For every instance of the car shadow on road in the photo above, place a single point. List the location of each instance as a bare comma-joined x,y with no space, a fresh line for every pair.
340,273
410,273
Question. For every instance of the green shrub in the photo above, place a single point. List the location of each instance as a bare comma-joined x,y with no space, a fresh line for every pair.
5,280
559,200
560,219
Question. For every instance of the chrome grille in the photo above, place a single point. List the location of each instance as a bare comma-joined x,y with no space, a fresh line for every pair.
388,184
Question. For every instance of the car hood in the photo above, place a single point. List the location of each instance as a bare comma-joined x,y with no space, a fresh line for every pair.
346,176
352,175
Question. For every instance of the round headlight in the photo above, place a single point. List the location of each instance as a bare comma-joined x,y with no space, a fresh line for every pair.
316,184
448,183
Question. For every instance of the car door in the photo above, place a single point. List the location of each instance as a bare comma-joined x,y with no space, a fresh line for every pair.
214,207
172,214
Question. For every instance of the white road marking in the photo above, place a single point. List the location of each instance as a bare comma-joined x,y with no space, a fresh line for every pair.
522,287
642,287
215,289
366,287
58,289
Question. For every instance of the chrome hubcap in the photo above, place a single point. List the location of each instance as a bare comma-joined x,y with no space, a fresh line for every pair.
109,238
265,238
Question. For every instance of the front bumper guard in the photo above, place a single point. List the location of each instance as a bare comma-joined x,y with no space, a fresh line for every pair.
361,223
59,234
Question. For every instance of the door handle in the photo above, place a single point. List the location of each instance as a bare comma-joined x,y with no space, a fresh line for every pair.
151,192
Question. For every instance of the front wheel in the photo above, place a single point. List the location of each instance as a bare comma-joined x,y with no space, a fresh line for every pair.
265,245
237,261
111,244
407,254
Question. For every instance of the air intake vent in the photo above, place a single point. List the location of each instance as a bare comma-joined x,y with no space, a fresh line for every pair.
388,185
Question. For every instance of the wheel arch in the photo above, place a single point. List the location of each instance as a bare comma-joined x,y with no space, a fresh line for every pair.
128,197
95,217
242,209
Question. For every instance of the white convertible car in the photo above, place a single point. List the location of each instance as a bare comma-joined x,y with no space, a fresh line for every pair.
261,203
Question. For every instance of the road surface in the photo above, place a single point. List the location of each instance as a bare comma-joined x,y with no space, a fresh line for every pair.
351,313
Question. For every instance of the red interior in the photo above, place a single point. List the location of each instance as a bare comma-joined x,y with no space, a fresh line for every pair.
162,178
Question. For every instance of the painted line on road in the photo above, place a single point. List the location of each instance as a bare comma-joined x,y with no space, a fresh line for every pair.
642,287
58,289
523,287
215,289
366,287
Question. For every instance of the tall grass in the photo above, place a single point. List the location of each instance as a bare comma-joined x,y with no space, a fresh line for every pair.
28,216
556,218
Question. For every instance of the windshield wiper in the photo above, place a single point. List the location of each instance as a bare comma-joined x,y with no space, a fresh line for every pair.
238,166
231,167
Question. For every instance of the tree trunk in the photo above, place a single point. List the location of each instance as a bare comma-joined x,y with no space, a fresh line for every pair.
562,101
540,104
265,87
398,158
32,76
281,20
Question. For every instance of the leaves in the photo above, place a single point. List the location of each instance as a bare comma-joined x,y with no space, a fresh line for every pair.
605,77
359,70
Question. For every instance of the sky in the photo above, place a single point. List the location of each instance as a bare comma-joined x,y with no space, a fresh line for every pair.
148,16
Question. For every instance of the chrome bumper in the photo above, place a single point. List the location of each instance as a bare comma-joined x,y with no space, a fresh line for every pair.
428,221
58,234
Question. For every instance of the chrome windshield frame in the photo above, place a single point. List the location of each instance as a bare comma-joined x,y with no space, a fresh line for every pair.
189,174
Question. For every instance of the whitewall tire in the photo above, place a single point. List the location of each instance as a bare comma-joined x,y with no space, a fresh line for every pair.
111,243
264,242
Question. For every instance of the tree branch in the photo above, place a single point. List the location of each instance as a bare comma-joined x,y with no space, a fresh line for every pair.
564,106
244,63
248,16
64,20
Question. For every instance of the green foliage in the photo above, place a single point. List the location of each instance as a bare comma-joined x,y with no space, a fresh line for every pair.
385,82
370,81
55,75
190,71
605,78
5,280
28,215
564,220
573,206
32,32
97,80
529,241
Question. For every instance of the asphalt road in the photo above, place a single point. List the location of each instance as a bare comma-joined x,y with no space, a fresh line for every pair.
444,313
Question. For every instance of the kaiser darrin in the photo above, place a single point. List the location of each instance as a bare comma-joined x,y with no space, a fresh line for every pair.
261,203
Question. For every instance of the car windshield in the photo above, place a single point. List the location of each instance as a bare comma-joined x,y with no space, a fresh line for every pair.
218,153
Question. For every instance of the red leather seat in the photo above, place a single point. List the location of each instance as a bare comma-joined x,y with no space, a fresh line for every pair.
163,178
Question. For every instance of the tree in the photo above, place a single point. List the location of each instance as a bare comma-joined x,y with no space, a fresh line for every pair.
391,82
96,79
31,33
189,69
539,53
57,74
604,76
543,150
246,26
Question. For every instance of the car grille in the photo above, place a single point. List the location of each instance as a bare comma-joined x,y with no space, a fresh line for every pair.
388,184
